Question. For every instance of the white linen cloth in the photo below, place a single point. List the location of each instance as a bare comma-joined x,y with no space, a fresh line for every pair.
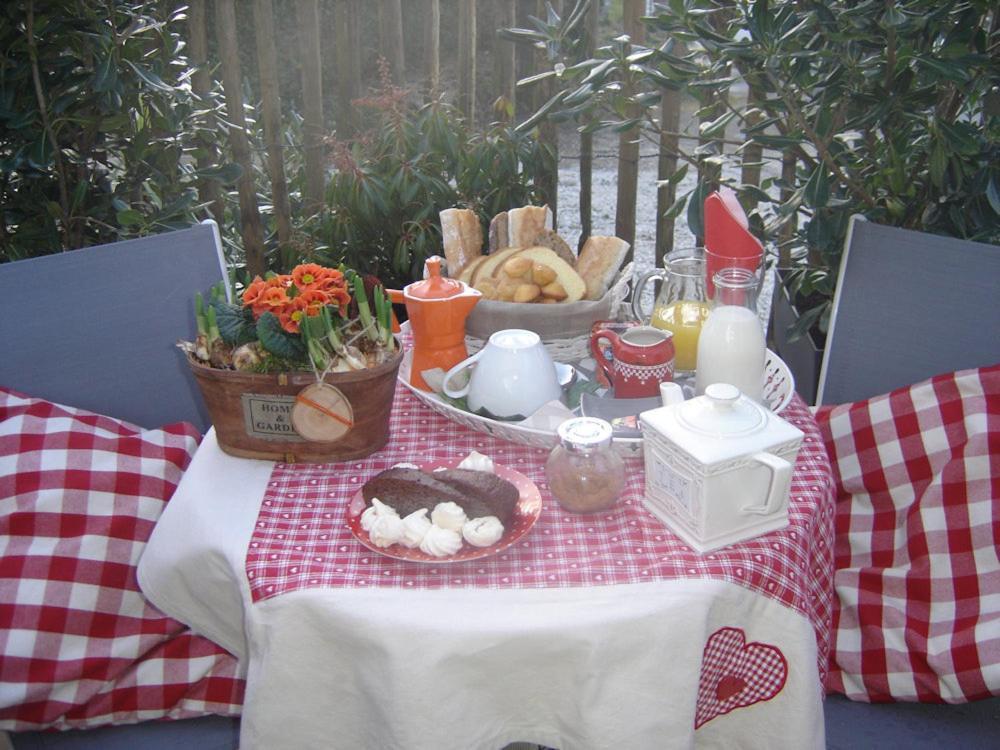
586,667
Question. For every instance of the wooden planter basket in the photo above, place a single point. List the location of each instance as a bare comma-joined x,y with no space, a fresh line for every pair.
253,413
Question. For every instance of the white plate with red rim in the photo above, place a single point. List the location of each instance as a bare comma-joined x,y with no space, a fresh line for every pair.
526,512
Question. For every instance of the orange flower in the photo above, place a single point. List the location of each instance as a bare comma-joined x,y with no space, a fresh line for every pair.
307,275
292,316
312,301
253,291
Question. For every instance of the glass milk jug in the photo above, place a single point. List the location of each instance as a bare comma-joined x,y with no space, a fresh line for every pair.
731,347
681,306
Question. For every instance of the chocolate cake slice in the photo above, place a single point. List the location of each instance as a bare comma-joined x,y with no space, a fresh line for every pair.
485,494
408,490
477,492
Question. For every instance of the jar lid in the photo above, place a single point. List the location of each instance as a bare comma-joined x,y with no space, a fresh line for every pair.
723,412
585,433
435,286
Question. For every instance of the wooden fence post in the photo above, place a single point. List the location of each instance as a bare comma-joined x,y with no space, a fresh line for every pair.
312,102
346,48
201,84
587,139
753,153
250,224
390,17
628,143
670,123
431,22
467,59
506,55
263,16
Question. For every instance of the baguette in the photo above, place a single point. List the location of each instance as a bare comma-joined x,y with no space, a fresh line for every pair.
462,235
499,237
524,224
600,259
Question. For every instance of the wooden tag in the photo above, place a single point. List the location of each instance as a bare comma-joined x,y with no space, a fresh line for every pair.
322,413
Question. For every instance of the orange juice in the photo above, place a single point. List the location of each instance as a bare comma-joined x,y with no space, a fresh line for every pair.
682,318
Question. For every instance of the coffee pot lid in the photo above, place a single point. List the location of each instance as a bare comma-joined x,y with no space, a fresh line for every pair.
435,286
722,412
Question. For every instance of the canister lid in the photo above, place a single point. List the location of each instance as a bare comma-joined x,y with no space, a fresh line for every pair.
722,412
585,433
435,286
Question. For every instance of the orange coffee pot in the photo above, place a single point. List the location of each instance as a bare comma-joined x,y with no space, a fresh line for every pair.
437,308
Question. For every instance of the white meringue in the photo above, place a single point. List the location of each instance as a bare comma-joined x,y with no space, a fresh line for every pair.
440,542
386,531
482,532
449,516
476,461
373,511
415,528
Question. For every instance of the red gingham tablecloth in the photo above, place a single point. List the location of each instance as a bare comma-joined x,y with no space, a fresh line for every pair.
301,539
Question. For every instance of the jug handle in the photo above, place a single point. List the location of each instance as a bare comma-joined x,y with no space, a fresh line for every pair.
781,481
637,313
595,350
464,390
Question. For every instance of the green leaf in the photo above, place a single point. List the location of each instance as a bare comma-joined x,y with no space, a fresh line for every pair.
235,322
227,173
129,217
105,75
993,195
278,341
817,189
696,209
149,77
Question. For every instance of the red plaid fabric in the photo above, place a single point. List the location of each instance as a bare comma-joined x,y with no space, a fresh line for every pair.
918,527
301,539
79,645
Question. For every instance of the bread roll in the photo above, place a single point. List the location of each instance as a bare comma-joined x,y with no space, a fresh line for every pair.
566,276
524,224
462,235
488,267
598,264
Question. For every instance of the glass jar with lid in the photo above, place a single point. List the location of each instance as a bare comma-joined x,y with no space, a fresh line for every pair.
584,472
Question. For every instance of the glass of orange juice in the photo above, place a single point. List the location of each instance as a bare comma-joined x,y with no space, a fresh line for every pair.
681,305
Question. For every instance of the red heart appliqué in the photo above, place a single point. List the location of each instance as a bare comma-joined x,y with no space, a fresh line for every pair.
735,674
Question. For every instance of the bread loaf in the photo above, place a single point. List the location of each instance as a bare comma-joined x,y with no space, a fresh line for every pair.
598,264
462,236
524,224
551,239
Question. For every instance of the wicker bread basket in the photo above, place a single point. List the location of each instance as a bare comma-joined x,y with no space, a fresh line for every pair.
563,328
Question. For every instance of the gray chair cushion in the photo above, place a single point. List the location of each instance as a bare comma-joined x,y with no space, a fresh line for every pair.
96,328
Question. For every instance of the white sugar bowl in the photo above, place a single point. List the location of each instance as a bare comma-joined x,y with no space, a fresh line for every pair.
718,467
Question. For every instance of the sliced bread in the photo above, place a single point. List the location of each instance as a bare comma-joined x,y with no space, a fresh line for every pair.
598,264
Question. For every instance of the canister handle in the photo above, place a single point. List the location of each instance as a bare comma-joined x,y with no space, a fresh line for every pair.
781,481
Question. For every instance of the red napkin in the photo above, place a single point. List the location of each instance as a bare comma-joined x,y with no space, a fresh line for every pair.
727,237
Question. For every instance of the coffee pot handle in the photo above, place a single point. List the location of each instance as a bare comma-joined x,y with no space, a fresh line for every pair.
637,313
781,482
464,390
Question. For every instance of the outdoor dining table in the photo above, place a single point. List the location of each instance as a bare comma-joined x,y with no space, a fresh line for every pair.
592,631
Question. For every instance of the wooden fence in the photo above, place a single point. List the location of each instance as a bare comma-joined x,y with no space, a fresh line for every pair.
410,43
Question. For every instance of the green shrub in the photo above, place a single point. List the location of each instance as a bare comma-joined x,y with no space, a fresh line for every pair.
98,126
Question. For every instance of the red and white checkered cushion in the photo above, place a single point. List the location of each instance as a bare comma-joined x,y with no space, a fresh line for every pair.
917,616
79,645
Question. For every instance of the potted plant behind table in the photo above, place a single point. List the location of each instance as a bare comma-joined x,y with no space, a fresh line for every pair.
300,368
889,110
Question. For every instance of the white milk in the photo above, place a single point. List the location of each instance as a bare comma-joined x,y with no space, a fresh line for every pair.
731,349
